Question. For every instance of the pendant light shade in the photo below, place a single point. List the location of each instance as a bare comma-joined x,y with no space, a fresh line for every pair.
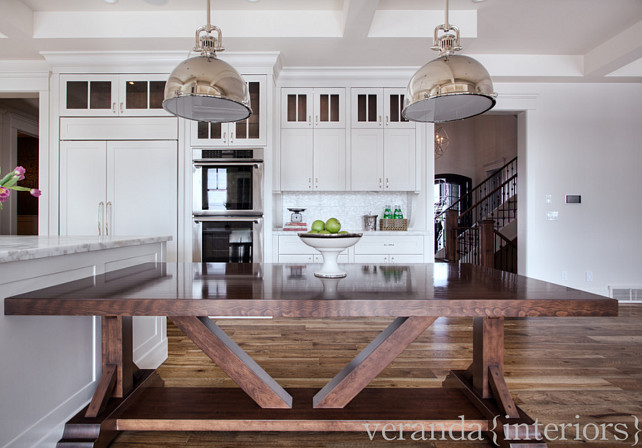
204,88
451,87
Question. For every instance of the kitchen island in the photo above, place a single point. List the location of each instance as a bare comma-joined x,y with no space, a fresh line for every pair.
50,365
128,398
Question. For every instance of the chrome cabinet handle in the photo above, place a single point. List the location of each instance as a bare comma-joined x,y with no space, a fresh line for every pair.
388,244
309,120
113,108
224,137
317,119
387,120
380,122
101,214
309,182
316,182
387,183
122,107
380,183
108,219
231,138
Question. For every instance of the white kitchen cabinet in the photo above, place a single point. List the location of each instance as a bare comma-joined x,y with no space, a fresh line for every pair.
112,95
383,159
292,250
389,249
378,108
313,108
251,131
112,188
383,144
313,160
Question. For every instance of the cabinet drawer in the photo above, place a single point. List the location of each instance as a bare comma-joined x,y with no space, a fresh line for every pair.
286,258
292,245
390,244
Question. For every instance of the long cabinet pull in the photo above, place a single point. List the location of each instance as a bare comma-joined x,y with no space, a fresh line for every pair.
108,219
101,215
113,108
122,108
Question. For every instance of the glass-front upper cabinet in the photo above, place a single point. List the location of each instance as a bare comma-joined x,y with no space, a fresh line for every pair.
313,108
379,108
112,95
251,131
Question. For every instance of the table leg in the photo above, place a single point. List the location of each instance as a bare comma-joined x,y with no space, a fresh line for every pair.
371,361
120,382
486,388
231,358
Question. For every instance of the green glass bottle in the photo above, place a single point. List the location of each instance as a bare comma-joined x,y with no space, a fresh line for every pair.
387,214
398,214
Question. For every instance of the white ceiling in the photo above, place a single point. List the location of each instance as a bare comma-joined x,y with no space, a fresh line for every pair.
588,39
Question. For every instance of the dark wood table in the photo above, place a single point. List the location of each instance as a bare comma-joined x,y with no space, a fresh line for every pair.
128,398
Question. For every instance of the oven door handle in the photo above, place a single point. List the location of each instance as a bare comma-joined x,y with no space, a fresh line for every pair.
253,163
256,219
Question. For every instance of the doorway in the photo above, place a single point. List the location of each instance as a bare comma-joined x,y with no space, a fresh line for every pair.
19,146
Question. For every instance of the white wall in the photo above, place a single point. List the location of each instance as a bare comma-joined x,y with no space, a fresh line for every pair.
581,139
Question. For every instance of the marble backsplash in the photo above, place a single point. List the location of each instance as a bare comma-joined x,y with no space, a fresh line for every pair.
347,207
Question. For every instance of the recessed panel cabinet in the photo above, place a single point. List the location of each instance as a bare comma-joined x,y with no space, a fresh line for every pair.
313,139
252,131
112,95
383,159
110,188
313,108
378,108
313,161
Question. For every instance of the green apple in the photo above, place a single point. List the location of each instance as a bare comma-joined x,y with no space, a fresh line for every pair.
343,232
313,231
333,225
318,225
325,232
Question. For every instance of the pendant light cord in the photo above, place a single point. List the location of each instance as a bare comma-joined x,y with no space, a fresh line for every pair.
447,24
209,9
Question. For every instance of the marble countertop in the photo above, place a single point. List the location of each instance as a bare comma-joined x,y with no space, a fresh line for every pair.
369,233
19,248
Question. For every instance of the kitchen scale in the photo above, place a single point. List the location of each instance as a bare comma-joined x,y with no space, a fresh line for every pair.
296,215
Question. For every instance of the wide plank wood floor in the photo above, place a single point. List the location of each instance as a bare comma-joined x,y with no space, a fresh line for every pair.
557,369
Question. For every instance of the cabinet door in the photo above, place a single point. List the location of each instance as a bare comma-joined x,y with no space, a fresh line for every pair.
89,95
296,108
252,131
329,159
329,108
371,258
367,108
399,159
209,134
142,95
142,189
297,159
366,160
393,100
83,187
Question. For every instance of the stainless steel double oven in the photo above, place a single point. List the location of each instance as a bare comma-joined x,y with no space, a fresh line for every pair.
228,205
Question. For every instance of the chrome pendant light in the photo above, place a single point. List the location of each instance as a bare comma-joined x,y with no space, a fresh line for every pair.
451,87
204,88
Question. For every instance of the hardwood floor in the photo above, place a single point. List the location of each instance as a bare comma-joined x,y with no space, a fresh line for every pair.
556,369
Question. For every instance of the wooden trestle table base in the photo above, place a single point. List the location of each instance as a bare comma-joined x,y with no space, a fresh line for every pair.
128,398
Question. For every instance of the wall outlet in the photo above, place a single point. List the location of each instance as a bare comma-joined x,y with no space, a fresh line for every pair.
589,276
549,198
564,276
552,215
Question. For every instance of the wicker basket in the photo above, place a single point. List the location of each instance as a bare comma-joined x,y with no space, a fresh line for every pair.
393,224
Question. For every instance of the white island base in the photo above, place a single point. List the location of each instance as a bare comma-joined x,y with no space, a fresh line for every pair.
50,365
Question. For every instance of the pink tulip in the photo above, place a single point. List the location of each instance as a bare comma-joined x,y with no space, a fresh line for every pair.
35,192
4,194
19,171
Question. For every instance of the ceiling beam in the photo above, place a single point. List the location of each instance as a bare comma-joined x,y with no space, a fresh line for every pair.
16,20
615,53
357,16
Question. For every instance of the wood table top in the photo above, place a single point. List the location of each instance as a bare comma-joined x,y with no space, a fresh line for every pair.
286,290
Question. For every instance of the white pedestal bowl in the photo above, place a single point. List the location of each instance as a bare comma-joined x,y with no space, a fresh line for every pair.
330,246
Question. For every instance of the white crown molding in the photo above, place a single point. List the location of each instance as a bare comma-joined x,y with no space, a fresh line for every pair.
365,75
150,61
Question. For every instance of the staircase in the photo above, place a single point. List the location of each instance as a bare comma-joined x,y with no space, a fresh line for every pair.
486,232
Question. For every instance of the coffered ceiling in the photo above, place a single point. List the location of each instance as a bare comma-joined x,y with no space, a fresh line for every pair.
589,40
